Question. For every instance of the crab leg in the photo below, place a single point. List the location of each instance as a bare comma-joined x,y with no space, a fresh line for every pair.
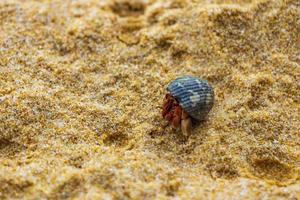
186,123
177,116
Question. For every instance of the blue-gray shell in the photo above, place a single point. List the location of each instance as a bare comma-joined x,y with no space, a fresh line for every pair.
194,95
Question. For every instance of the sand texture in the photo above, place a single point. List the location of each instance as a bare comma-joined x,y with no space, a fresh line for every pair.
82,84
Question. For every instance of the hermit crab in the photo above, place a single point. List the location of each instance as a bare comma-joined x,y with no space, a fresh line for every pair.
189,98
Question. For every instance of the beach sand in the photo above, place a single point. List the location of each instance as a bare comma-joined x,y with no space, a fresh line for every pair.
82,84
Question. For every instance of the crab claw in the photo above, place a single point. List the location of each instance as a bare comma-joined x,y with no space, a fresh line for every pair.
186,123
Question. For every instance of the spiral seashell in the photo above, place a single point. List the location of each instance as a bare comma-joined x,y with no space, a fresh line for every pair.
194,95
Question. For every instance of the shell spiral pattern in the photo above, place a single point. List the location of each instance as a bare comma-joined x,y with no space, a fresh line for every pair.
194,95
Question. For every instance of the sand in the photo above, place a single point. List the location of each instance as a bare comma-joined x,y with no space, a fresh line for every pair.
82,84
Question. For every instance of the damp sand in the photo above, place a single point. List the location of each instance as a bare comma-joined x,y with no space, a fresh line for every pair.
82,82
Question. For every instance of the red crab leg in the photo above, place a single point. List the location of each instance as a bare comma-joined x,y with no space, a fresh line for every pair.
167,106
177,116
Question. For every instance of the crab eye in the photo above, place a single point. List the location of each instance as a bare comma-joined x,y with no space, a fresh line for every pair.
168,96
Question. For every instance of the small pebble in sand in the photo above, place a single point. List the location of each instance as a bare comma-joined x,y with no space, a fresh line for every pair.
188,98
